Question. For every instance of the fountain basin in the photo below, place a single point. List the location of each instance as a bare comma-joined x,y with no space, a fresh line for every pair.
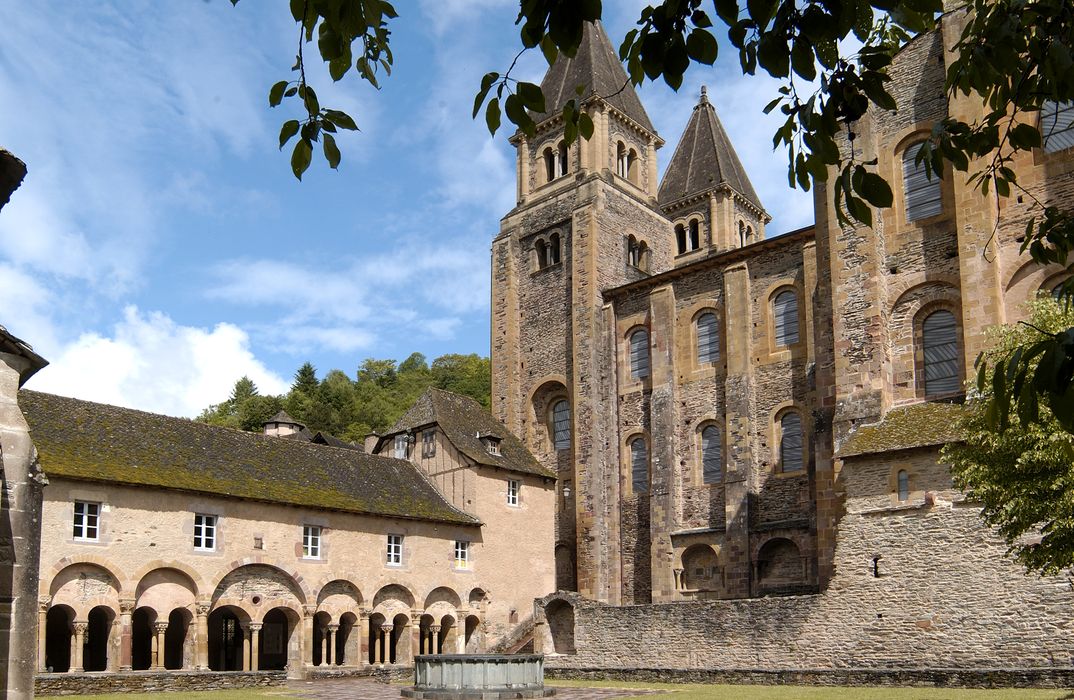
478,677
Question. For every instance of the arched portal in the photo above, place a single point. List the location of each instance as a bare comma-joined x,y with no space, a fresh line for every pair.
277,646
427,640
225,639
320,638
376,639
98,632
474,641
177,650
142,638
347,640
58,638
448,637
400,635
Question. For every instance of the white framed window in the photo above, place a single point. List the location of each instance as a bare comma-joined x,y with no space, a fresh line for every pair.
513,488
561,425
311,542
204,532
462,554
395,550
401,444
87,520
428,443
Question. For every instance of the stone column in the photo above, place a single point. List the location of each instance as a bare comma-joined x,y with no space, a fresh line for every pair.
126,609
363,639
80,640
333,632
415,633
202,662
255,644
378,644
43,604
650,160
385,641
523,169
678,579
246,647
158,644
324,646
308,611
434,639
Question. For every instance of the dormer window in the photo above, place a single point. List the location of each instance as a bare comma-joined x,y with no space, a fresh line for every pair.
402,443
491,443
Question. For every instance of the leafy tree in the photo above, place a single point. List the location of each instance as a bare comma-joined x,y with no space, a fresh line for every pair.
1024,476
470,375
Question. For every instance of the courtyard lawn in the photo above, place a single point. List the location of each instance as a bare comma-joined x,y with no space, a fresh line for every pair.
238,694
684,691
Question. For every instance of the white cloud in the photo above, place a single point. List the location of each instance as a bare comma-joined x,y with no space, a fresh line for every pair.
152,363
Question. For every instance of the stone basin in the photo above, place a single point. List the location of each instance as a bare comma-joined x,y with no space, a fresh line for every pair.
478,677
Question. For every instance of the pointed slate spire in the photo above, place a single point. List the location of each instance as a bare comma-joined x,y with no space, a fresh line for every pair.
597,67
705,160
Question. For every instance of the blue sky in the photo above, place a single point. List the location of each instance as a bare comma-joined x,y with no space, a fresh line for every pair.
160,247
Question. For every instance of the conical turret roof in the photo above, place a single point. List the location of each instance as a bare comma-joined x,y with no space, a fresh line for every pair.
597,67
705,160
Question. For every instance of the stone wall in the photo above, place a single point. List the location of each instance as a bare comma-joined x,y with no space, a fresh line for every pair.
53,684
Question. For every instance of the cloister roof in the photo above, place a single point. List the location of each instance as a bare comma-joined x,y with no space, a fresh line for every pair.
464,422
85,440
904,428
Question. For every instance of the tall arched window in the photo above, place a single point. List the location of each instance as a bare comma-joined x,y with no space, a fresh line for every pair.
785,315
632,166
639,465
708,339
639,354
790,442
741,234
1057,125
939,338
695,234
680,238
923,195
711,455
553,249
561,425
621,165
633,251
562,158
541,249
903,479
549,164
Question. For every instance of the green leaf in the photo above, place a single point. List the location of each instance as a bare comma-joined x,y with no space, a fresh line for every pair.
309,98
486,84
275,95
773,55
875,190
728,11
1025,136
492,115
301,157
516,112
331,152
340,119
531,96
585,126
702,47
290,128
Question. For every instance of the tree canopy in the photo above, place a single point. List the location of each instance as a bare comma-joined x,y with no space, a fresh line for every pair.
1023,476
351,409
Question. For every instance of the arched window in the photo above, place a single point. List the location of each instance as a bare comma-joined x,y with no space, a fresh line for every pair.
553,249
632,166
561,425
711,455
639,465
939,338
749,234
790,442
708,339
923,196
633,252
639,354
903,479
643,256
680,238
621,164
741,234
1057,125
785,315
695,234
562,158
542,254
549,164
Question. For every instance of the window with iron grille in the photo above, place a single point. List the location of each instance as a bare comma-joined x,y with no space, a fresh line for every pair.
639,465
708,339
561,425
785,310
1057,125
790,442
711,455
204,532
939,335
87,520
922,193
639,354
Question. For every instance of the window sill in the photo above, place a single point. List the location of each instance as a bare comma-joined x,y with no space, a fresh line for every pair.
790,475
546,268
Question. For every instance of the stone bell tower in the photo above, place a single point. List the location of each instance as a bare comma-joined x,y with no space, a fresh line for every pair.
587,219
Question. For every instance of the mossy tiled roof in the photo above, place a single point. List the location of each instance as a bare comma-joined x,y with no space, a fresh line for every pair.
463,420
84,440
919,425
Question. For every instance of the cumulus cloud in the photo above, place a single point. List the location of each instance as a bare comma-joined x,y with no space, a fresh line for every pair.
150,362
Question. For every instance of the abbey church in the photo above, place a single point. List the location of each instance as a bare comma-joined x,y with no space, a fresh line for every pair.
713,448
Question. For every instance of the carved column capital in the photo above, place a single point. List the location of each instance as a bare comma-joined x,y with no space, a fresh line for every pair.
309,610
333,627
44,603
160,627
387,627
255,626
203,609
126,606
81,627
434,628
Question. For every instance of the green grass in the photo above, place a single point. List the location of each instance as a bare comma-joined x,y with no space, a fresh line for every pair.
238,694
675,691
